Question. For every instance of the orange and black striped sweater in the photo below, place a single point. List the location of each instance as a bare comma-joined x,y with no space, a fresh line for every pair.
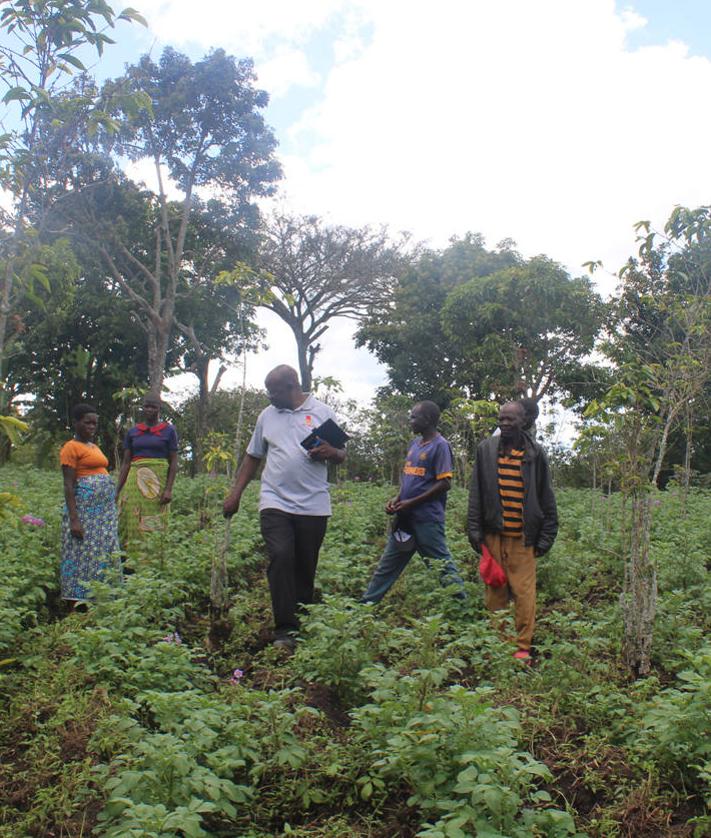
510,482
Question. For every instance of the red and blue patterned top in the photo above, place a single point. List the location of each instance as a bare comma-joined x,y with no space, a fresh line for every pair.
154,443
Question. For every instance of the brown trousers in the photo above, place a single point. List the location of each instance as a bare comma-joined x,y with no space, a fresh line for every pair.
519,563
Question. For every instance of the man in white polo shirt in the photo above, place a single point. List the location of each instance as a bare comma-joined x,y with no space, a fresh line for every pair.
294,502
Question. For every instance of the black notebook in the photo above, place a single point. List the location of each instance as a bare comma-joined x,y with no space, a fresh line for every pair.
328,432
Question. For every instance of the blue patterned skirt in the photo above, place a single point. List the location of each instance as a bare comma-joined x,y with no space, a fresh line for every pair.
96,556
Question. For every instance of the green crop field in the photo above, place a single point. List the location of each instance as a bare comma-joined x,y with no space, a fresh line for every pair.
409,718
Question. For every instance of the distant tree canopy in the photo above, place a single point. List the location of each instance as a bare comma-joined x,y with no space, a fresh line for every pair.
313,272
521,331
484,324
404,329
108,285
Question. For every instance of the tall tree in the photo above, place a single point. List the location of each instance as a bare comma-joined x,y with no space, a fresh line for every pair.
315,272
204,129
523,330
661,340
403,328
214,311
41,44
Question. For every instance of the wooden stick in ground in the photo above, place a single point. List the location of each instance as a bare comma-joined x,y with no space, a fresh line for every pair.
218,576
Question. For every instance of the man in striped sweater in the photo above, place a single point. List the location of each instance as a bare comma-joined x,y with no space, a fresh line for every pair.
512,510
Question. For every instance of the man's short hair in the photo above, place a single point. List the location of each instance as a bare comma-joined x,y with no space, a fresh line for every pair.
519,405
431,412
284,374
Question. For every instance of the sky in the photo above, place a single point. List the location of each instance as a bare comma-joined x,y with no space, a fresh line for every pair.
557,123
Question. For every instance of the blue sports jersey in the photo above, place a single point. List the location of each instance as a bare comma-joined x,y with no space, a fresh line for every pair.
426,463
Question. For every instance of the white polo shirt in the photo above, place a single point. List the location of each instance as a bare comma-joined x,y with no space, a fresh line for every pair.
291,480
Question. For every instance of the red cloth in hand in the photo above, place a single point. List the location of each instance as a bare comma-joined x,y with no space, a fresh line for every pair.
490,570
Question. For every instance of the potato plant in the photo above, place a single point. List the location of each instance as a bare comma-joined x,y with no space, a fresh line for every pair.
408,718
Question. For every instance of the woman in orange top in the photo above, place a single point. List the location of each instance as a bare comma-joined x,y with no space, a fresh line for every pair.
89,524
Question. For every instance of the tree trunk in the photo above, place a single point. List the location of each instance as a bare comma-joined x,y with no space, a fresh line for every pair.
158,340
5,450
155,367
202,368
689,429
4,316
639,597
306,358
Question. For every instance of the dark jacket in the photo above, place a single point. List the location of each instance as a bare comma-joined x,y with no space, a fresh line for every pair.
540,515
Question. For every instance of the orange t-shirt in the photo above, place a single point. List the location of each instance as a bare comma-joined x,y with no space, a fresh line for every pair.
85,459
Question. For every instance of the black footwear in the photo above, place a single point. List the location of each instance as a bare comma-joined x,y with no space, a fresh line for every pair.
286,642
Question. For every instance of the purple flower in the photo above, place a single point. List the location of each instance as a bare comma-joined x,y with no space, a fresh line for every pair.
32,521
173,637
237,676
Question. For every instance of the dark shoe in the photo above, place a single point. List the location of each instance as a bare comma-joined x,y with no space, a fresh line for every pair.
287,643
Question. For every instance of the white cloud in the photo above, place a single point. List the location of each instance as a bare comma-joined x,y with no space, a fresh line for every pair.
632,20
287,69
524,119
143,172
529,119
244,27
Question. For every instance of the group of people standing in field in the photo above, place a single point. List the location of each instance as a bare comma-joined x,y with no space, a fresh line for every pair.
99,515
512,517
512,510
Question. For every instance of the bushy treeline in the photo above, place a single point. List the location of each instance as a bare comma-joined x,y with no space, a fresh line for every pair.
108,285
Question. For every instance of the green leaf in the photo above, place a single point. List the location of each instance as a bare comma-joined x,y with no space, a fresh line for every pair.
131,14
12,427
73,60
14,94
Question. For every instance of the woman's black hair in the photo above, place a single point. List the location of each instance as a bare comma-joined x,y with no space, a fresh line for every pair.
153,397
79,411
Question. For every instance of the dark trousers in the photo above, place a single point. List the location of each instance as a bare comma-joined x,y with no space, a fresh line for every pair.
292,543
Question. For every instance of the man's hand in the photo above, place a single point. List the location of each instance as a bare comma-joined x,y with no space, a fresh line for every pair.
323,452
230,505
476,545
166,497
76,529
390,508
403,505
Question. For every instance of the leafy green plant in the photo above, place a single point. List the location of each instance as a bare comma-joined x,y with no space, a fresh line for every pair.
675,728
340,637
106,710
